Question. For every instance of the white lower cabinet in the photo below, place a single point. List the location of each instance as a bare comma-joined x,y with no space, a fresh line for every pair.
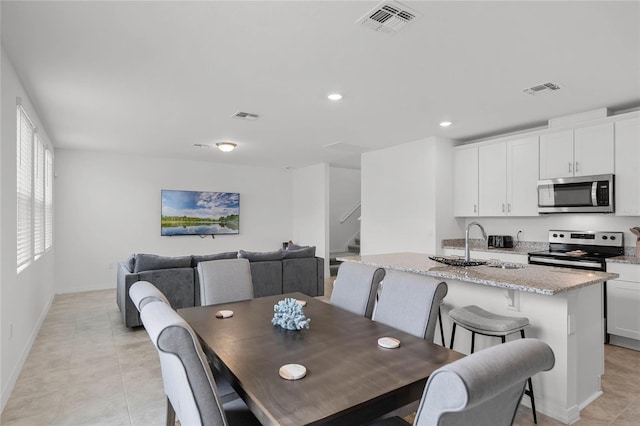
623,301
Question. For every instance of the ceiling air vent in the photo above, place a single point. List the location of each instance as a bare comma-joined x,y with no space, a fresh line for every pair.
245,116
388,17
545,87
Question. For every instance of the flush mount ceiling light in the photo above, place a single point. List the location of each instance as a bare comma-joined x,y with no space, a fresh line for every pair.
445,123
335,96
226,146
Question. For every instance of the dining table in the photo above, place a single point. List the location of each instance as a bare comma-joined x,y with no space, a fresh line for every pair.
350,378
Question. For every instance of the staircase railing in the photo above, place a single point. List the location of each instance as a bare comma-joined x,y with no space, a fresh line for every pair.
350,213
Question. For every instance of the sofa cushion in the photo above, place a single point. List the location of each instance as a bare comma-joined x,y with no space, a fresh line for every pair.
260,256
296,254
293,246
196,258
150,262
130,262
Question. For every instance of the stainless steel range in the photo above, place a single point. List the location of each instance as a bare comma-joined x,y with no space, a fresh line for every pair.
580,249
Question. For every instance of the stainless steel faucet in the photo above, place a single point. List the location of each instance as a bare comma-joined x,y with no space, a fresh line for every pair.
466,239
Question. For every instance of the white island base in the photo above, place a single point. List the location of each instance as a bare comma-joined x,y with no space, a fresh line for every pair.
570,322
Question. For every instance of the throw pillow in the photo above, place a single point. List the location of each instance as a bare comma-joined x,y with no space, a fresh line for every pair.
196,258
149,262
260,256
303,252
130,262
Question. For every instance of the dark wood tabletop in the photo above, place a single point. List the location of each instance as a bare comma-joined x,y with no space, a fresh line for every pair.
350,379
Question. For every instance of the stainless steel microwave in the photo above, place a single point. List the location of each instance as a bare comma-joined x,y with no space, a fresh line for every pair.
584,194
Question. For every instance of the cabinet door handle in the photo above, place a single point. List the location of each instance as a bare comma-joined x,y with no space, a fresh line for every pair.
576,167
508,207
569,167
502,207
475,208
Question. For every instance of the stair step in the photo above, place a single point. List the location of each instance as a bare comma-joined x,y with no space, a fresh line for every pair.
354,248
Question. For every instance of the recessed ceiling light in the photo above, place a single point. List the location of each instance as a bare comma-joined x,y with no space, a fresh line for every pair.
226,146
335,96
445,124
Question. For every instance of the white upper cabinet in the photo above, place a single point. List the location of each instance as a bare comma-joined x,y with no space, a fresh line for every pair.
593,150
465,181
522,177
508,176
627,158
584,151
556,155
492,179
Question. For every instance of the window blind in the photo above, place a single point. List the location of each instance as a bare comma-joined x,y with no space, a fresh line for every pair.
48,200
38,196
24,141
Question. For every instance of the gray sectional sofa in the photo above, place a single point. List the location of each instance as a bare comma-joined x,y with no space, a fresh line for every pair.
276,272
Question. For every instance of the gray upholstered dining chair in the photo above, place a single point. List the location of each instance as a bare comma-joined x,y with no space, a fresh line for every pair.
482,389
224,281
355,288
143,292
191,390
410,302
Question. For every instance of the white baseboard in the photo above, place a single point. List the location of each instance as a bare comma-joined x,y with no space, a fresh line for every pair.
15,373
624,342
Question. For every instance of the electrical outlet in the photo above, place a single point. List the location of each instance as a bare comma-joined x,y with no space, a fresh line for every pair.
571,324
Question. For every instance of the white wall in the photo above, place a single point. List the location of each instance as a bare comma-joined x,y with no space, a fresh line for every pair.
311,209
25,297
406,201
108,207
344,195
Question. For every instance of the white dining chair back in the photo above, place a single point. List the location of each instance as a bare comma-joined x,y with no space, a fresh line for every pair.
355,288
224,281
143,292
410,302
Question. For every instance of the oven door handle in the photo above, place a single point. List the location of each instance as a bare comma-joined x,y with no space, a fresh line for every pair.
564,262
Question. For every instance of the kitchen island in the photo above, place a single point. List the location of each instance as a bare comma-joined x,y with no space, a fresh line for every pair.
564,307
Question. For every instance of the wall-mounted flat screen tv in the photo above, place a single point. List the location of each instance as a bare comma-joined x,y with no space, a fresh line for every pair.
200,213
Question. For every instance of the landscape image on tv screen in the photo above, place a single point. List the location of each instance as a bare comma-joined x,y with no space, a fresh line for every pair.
200,213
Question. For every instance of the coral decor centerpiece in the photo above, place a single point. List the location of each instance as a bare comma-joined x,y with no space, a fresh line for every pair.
288,314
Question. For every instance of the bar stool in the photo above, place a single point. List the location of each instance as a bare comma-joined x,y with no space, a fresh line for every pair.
479,321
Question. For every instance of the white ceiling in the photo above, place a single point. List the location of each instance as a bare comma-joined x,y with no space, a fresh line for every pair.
155,78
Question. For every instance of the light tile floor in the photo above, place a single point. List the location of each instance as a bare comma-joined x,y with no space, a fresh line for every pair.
86,368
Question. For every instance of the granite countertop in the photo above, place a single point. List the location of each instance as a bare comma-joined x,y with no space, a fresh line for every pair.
524,247
531,278
634,260
521,247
